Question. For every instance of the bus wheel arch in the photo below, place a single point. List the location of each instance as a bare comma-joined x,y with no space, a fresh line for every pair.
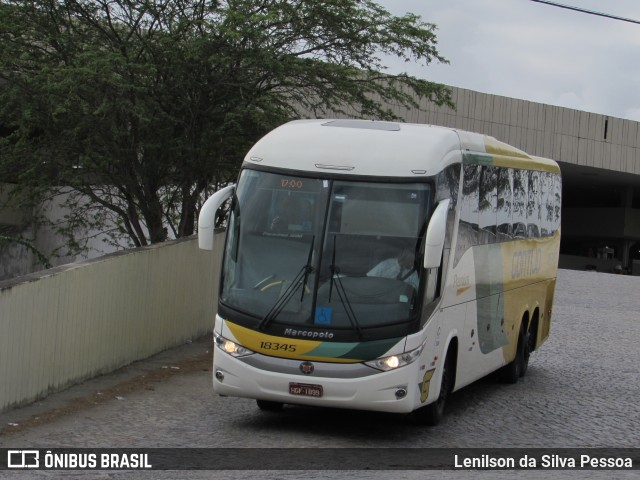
517,367
530,330
433,413
533,330
452,357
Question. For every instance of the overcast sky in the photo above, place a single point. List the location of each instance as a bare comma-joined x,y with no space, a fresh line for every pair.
533,51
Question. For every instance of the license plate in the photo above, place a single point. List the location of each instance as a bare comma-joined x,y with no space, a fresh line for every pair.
305,389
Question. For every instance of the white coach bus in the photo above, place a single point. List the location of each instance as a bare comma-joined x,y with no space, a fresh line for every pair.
381,266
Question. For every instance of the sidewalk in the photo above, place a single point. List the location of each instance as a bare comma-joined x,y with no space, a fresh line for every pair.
144,374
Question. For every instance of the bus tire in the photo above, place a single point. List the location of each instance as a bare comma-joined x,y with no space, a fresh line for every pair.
269,406
515,369
433,413
529,344
526,354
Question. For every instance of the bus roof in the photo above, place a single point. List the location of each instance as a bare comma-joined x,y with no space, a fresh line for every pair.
374,148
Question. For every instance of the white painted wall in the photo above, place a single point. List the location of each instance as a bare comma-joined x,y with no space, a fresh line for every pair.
64,325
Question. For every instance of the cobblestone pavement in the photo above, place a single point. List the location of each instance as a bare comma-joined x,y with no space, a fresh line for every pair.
581,391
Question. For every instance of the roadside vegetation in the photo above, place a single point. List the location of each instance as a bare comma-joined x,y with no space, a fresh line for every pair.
131,113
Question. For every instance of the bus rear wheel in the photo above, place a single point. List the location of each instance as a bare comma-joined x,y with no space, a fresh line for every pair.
518,366
269,406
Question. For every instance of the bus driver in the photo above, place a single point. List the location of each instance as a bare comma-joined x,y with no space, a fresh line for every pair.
401,267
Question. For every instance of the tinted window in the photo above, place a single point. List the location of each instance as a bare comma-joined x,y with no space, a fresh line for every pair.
487,204
505,201
520,189
533,205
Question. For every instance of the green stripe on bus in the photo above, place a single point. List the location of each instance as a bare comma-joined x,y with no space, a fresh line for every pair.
363,351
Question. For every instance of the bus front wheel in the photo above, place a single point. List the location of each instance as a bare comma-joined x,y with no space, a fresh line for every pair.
432,414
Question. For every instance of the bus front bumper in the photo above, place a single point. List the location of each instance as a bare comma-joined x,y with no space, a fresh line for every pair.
394,391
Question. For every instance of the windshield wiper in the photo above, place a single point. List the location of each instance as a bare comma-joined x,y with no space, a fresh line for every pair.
300,280
342,293
308,268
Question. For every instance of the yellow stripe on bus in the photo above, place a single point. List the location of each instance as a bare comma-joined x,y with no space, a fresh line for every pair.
282,347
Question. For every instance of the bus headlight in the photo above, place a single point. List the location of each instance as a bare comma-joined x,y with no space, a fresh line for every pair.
232,348
396,361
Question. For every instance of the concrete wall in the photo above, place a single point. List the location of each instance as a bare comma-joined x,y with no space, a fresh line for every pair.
18,222
10,211
64,325
15,259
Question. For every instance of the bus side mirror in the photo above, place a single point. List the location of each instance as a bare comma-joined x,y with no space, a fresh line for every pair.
207,217
434,239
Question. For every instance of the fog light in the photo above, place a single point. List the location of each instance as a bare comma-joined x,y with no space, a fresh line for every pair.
219,375
401,393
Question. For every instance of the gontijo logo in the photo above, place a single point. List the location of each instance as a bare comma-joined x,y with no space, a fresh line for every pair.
23,459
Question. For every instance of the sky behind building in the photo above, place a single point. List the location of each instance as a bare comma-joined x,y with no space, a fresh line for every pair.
533,51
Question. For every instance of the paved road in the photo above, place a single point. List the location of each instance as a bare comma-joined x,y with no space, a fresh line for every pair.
582,390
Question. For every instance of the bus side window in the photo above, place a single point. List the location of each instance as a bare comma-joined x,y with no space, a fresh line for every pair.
546,205
468,225
557,204
533,205
505,200
488,205
470,202
520,190
448,186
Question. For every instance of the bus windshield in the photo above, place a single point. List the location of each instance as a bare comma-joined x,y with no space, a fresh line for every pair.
319,253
